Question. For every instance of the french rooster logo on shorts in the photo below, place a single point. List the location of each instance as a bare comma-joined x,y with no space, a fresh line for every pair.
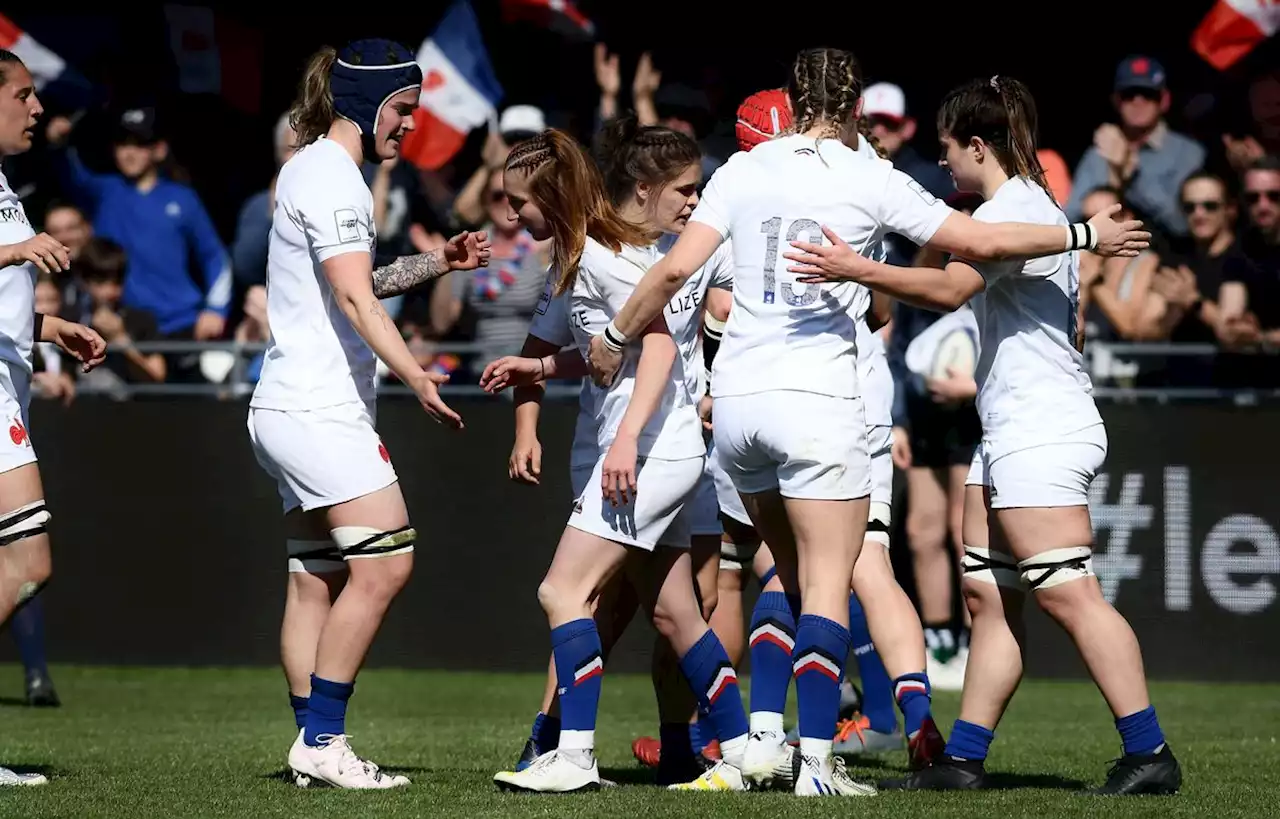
382,450
18,433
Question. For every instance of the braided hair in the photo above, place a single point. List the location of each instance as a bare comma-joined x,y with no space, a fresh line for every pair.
1000,112
825,86
630,153
567,187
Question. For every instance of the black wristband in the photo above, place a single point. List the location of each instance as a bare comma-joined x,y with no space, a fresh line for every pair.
613,339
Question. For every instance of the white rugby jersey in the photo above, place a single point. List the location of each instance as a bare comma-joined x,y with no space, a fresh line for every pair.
787,336
873,364
17,285
551,324
314,357
604,282
684,312
1032,385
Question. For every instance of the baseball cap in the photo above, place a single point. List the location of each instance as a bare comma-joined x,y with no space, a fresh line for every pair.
884,99
761,117
138,126
1140,72
522,120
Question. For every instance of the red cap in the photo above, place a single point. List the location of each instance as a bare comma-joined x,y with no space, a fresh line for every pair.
762,116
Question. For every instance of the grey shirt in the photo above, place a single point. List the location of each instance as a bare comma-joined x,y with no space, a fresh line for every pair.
1165,161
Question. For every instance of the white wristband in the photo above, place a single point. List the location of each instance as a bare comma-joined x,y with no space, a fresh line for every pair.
613,339
1081,236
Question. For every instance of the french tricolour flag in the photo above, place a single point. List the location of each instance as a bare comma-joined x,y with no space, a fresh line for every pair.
1233,28
460,91
50,72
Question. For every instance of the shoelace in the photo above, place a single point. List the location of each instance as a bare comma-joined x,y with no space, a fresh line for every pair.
854,725
348,758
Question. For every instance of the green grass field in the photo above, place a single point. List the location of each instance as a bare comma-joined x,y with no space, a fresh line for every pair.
179,743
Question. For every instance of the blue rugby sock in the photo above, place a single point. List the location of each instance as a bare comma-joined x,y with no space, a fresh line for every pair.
913,693
300,705
772,640
546,732
715,682
822,646
327,711
580,671
969,741
877,688
1140,732
27,626
701,733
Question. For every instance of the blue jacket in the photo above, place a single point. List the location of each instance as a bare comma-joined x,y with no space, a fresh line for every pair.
165,232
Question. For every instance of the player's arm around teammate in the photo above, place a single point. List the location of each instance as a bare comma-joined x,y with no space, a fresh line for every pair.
1043,442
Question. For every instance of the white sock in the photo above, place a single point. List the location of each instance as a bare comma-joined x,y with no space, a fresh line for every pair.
818,748
582,757
766,721
578,747
733,750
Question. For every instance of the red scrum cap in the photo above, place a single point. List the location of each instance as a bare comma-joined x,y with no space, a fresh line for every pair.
762,116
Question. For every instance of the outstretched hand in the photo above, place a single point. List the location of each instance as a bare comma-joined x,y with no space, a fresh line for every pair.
1118,238
468,250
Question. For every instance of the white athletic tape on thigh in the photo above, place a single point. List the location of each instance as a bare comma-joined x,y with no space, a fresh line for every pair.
23,522
1057,566
314,556
878,523
358,542
987,566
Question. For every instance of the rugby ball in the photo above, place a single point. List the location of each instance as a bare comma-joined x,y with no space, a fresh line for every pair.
956,351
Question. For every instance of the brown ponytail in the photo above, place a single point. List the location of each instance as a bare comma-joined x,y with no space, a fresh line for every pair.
567,187
1001,112
313,112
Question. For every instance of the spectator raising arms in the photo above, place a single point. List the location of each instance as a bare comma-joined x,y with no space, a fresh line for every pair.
161,224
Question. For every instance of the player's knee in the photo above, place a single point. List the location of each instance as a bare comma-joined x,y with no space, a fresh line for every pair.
384,557
1054,576
985,569
926,531
668,619
552,598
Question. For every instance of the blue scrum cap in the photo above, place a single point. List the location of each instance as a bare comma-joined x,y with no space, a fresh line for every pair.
366,74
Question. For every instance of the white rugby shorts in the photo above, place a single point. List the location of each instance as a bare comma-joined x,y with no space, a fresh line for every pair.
802,444
321,457
15,401
660,513
1045,475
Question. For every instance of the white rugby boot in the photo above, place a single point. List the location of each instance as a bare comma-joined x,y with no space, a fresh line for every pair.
335,765
828,777
719,777
13,778
769,760
553,772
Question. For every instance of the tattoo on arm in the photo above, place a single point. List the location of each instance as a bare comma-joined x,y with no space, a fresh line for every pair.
407,272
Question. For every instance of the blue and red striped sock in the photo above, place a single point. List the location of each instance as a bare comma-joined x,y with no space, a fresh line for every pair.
772,640
715,682
822,646
580,671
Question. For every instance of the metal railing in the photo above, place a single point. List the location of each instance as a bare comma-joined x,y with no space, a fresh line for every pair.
1111,366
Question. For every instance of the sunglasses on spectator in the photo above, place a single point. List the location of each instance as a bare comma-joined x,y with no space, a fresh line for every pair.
1252,197
1208,206
1129,94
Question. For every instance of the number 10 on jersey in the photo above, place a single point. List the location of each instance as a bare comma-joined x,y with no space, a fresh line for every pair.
806,229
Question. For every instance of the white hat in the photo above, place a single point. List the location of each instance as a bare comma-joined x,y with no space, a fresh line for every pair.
522,119
884,100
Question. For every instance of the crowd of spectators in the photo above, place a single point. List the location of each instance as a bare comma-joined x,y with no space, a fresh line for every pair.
151,267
